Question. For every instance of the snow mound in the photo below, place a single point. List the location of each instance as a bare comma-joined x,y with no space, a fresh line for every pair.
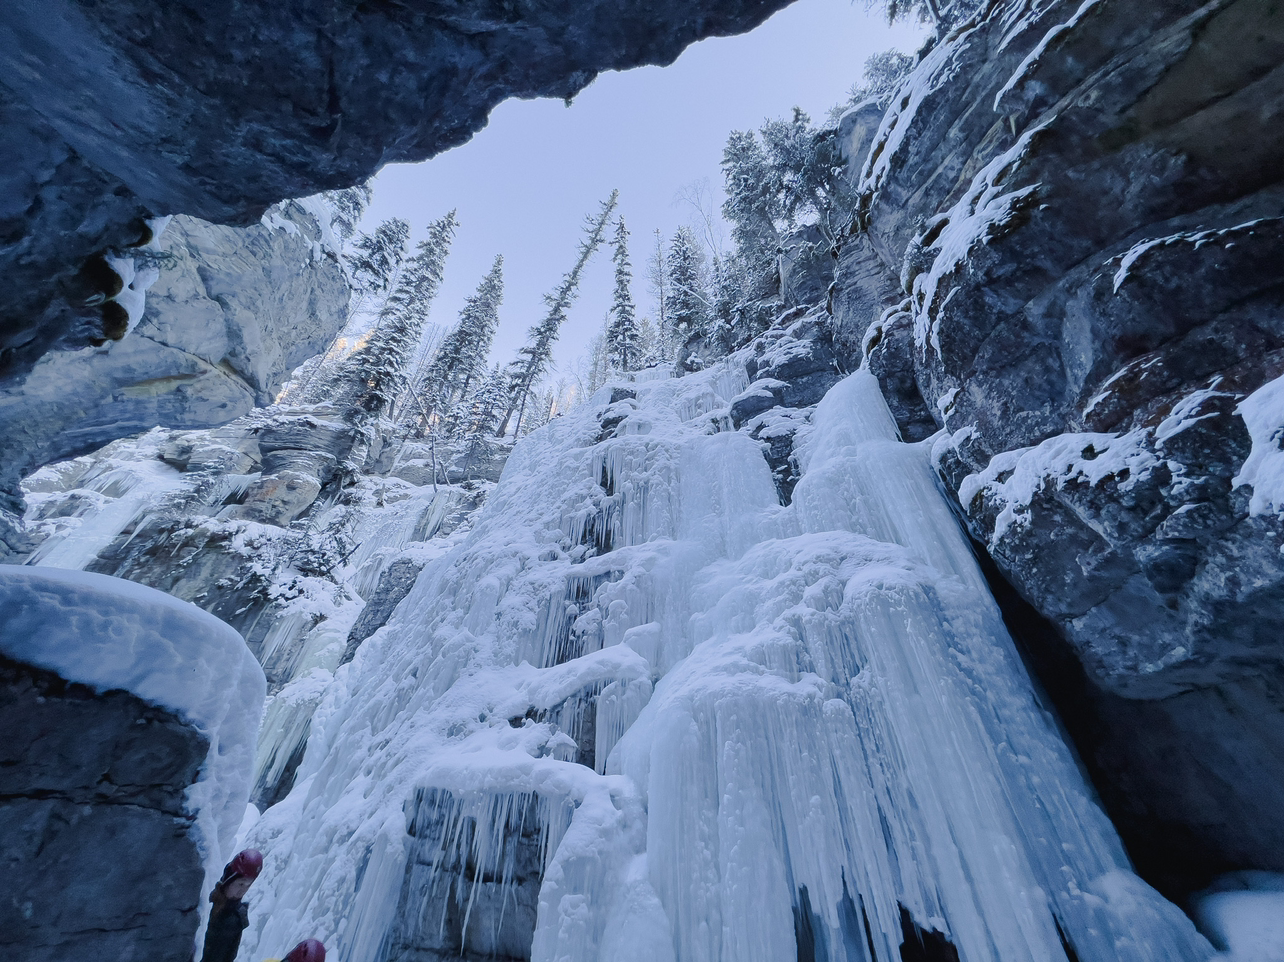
111,634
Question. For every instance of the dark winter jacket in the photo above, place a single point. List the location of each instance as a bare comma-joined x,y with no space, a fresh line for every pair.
228,919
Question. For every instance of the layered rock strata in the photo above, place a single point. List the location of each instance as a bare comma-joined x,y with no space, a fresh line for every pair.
233,311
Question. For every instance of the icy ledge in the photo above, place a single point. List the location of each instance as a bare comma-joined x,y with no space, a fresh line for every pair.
112,634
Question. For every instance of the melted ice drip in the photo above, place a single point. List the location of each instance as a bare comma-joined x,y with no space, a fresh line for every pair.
841,749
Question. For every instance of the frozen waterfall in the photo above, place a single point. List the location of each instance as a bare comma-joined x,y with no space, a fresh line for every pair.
643,712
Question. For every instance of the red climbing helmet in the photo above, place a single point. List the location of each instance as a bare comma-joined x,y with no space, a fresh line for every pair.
309,950
248,864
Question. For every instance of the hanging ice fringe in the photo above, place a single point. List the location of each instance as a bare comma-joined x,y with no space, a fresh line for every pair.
841,753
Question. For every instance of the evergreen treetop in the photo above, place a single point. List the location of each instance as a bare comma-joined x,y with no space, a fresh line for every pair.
460,361
536,356
377,371
622,329
688,294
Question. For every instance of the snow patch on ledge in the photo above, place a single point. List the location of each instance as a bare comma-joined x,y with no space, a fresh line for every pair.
111,634
1014,478
1196,238
1041,48
1263,470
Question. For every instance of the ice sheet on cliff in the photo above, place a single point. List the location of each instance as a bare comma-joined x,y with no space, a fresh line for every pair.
841,740
111,634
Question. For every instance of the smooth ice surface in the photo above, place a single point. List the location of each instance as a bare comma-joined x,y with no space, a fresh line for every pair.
110,634
812,717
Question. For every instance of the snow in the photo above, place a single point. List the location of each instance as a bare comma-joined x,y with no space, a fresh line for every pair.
1040,49
278,217
118,486
1245,913
1198,239
111,634
819,696
1263,470
1013,478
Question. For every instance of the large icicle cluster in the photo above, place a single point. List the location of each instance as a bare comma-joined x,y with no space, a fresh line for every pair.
841,750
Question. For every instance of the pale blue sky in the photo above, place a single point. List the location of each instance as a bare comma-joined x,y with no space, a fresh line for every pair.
523,184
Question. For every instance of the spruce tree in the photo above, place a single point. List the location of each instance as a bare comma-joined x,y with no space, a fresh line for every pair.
622,329
347,206
374,263
487,403
752,206
460,361
376,372
376,258
688,298
533,359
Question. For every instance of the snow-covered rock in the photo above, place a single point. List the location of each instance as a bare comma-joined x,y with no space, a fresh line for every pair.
113,116
137,647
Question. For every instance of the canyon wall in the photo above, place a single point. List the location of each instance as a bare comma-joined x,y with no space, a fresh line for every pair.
1070,219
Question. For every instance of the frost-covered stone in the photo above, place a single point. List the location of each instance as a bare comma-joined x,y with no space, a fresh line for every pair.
91,802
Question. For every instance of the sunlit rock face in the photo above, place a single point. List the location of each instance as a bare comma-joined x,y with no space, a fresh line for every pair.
232,312
1080,203
117,110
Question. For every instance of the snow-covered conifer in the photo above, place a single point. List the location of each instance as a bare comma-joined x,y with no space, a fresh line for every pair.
622,328
460,361
535,357
376,372
375,259
689,296
941,14
347,206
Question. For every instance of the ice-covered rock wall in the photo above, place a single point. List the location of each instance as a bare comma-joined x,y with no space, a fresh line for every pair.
301,531
129,722
644,710
1070,219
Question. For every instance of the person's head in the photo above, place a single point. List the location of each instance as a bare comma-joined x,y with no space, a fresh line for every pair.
309,950
240,873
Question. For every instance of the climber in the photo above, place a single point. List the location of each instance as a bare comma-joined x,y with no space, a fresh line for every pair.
229,917
309,950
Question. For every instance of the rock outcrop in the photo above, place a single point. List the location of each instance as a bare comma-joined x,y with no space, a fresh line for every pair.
91,809
301,529
232,313
129,722
116,111
1080,205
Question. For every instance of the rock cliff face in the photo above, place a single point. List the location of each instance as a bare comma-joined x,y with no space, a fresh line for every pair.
1078,206
91,808
233,311
129,721
117,110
